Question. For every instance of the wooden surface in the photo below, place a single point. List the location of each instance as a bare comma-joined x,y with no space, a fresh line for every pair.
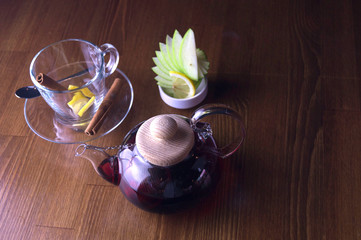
292,68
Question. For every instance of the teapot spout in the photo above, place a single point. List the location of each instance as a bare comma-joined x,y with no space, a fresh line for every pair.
105,165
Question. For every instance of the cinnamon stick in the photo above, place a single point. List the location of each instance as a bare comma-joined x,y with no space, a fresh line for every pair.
49,83
103,109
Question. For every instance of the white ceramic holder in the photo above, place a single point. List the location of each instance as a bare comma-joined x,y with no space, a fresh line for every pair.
186,103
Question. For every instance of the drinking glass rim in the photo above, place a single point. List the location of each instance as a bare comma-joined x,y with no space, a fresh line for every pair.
39,86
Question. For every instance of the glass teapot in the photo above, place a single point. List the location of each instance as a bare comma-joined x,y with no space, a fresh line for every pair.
167,162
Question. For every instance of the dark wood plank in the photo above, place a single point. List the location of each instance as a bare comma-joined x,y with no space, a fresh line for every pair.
339,199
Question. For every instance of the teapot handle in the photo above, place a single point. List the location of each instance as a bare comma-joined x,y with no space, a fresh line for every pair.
205,130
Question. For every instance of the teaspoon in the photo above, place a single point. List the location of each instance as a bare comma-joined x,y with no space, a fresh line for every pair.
27,92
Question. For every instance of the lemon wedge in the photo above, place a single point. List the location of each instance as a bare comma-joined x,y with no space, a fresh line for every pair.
72,87
86,106
78,97
84,91
80,102
87,92
182,86
77,102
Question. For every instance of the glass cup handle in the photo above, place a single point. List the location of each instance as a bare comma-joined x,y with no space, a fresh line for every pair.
112,64
211,109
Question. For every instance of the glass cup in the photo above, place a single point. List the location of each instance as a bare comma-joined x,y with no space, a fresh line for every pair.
81,68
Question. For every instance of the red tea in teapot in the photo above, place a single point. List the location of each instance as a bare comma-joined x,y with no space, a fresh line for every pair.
164,189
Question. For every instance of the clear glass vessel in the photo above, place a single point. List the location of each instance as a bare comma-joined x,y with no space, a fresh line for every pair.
174,186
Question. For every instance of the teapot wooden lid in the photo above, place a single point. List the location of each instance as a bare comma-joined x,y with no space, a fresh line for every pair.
165,140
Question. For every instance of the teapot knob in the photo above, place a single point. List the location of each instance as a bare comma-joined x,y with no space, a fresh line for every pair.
164,140
163,127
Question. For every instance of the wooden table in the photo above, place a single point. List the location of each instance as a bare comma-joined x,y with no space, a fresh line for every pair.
291,68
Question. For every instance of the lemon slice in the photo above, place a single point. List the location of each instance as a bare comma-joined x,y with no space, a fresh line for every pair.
183,87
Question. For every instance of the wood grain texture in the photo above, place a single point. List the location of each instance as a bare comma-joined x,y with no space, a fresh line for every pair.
291,68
